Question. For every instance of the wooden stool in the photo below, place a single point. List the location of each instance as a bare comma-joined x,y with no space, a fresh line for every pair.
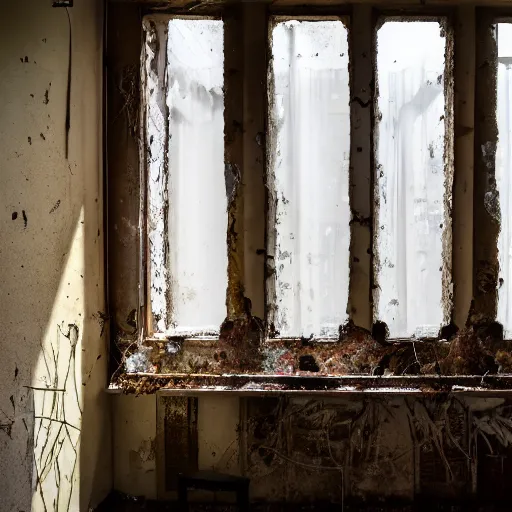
212,481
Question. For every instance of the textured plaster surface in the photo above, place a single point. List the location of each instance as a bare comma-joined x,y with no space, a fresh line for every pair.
54,452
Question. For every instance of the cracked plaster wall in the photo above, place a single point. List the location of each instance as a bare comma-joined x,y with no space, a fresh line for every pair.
54,445
300,449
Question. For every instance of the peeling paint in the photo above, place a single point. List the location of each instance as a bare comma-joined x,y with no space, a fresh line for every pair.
486,197
156,116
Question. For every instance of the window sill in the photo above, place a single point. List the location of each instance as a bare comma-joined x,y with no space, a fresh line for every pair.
254,385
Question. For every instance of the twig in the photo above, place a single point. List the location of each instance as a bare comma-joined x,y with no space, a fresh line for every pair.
45,389
57,421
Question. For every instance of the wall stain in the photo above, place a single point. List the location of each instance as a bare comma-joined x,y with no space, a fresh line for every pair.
46,99
55,206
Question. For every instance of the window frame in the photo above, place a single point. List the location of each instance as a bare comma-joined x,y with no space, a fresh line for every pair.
127,278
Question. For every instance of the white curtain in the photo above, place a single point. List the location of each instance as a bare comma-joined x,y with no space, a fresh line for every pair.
410,178
310,65
197,195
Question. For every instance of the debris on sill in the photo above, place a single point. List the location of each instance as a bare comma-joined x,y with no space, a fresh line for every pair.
241,349
268,384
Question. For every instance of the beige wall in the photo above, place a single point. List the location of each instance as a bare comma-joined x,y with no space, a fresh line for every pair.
134,443
135,453
51,260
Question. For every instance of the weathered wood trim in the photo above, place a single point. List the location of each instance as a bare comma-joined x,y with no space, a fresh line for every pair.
486,199
361,228
253,179
234,156
123,51
464,73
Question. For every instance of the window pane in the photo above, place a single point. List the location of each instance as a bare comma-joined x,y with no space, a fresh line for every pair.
503,174
310,144
411,179
196,190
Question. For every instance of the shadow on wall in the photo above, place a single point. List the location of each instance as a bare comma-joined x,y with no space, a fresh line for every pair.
54,420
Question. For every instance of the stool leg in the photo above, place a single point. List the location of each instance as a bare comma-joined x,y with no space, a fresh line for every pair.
242,496
182,495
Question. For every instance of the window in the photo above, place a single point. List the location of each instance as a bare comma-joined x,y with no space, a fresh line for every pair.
316,175
309,153
414,179
308,160
186,195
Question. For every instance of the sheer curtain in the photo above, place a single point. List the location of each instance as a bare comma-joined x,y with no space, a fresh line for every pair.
311,113
197,216
410,177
